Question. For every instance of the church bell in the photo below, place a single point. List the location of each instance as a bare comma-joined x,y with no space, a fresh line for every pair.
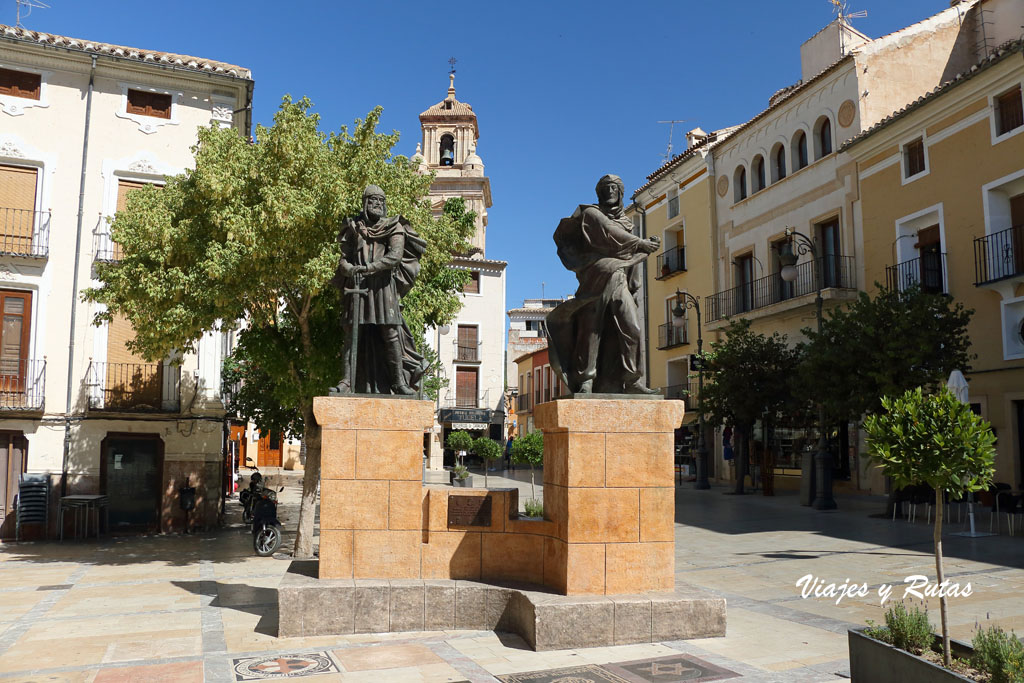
447,158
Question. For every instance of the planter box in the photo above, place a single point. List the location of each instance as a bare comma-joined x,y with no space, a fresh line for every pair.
872,661
467,482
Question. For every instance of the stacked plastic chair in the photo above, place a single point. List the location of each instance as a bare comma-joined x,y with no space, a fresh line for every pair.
33,494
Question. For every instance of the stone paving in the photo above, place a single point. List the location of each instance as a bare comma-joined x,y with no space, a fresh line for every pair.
193,608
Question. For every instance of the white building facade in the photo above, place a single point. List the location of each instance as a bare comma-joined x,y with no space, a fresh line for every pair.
83,124
471,349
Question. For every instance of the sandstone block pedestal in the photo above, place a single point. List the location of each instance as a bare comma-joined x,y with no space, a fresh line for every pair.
608,487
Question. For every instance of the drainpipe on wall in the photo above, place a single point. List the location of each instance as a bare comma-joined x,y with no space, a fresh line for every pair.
74,282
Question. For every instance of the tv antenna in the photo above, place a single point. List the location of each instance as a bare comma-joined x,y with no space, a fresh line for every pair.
671,126
839,9
29,5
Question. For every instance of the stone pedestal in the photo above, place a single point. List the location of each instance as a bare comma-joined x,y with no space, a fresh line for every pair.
371,486
608,487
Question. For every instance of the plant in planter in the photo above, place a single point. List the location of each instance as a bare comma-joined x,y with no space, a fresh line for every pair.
534,508
487,450
933,439
460,442
529,450
460,475
1000,654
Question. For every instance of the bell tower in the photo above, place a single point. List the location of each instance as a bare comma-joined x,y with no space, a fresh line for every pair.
448,148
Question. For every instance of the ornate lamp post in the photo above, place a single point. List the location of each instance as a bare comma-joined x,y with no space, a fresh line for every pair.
789,251
685,300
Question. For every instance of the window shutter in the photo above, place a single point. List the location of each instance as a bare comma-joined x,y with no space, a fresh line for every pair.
17,205
465,387
20,84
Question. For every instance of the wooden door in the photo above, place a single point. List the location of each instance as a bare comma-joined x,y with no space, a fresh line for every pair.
930,249
466,387
828,234
269,450
16,308
467,343
13,461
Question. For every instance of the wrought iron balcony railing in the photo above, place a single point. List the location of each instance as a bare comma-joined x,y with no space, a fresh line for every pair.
522,403
462,401
104,248
134,387
999,255
836,272
467,352
670,262
669,335
22,384
686,392
24,232
928,271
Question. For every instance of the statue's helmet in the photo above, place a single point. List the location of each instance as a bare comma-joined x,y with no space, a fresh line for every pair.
372,191
610,179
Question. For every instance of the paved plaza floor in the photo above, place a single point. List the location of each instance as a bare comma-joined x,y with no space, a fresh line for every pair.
203,607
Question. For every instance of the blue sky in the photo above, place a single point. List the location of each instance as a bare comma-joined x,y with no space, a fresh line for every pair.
564,91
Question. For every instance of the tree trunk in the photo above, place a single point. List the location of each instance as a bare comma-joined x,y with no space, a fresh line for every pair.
740,440
310,483
533,487
946,658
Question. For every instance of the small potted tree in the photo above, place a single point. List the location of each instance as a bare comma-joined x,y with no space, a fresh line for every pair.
529,450
460,442
460,476
931,439
487,450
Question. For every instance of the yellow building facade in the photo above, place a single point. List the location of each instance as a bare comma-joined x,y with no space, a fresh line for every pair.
941,204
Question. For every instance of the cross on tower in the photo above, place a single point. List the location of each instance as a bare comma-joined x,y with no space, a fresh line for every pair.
451,63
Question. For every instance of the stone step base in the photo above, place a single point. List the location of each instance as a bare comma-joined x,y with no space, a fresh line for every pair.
309,606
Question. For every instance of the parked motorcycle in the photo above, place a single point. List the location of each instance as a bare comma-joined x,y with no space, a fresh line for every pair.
248,496
266,529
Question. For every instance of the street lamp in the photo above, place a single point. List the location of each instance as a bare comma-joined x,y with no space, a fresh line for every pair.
789,251
685,300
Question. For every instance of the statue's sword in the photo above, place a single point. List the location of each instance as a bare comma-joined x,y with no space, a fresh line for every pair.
356,294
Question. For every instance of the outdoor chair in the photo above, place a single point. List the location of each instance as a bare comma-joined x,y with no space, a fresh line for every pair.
1008,504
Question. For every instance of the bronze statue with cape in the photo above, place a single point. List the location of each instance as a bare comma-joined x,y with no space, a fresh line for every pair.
380,259
595,340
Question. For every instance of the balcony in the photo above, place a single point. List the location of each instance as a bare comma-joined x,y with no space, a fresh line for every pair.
684,392
522,403
24,232
999,256
670,262
670,336
22,384
928,271
837,272
104,248
134,387
467,352
463,401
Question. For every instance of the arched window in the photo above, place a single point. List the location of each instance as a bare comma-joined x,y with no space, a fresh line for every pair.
778,163
758,172
739,183
447,150
823,138
799,150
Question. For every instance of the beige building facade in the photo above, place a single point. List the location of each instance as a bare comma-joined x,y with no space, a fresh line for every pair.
83,124
941,201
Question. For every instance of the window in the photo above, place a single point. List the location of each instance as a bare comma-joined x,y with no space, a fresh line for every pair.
740,184
1009,111
466,382
145,103
473,286
913,158
929,246
828,243
468,344
758,171
673,206
20,84
744,282
823,138
800,151
17,208
778,163
536,386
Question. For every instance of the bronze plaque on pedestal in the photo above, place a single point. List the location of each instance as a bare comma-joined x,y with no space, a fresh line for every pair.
469,510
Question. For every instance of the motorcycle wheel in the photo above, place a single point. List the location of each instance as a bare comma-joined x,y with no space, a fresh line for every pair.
267,540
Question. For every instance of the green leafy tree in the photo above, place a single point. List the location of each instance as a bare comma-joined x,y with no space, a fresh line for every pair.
529,450
460,441
933,439
250,234
750,376
488,450
883,346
